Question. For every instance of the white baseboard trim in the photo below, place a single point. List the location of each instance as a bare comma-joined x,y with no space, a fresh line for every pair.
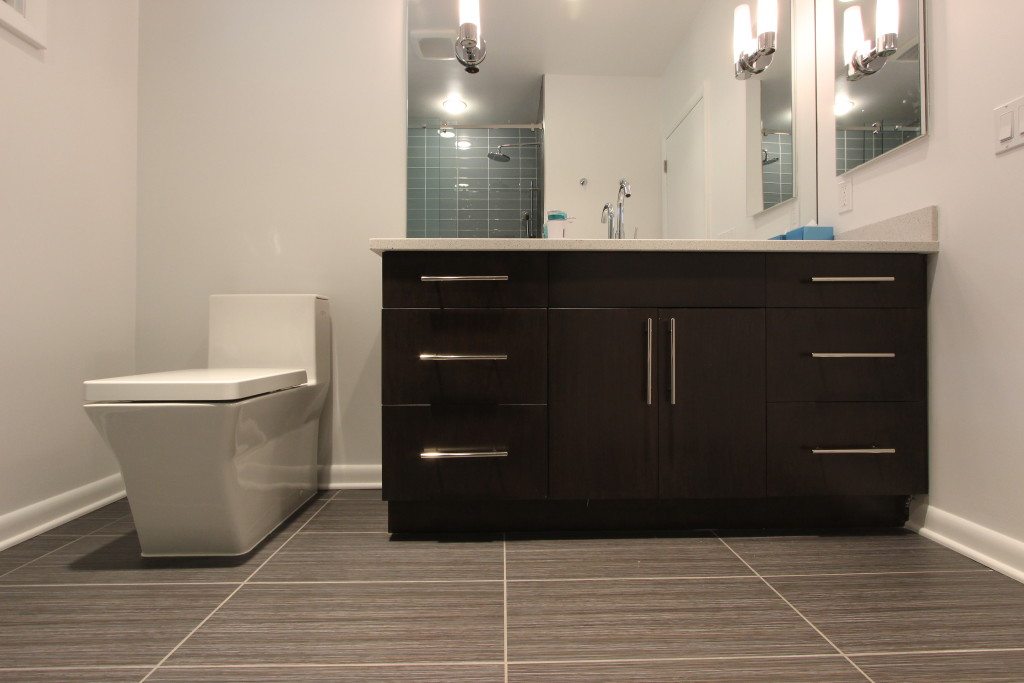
993,549
350,477
24,523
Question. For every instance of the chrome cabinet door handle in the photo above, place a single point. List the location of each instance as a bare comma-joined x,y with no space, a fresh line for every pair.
868,278
463,278
853,451
650,361
456,453
672,359
819,354
463,356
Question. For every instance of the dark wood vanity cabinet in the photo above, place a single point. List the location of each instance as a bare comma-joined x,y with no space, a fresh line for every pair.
518,385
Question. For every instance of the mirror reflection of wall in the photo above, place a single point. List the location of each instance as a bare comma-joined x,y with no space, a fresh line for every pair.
879,102
601,91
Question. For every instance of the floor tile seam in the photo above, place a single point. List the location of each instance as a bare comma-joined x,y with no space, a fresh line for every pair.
96,532
504,600
520,662
234,592
798,612
74,539
116,584
357,582
892,573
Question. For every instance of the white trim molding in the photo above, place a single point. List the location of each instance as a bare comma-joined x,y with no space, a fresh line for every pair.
27,20
24,523
991,548
350,477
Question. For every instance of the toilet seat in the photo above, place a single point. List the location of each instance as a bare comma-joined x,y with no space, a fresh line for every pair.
203,384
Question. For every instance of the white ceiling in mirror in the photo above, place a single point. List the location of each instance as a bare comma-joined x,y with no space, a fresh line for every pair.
528,38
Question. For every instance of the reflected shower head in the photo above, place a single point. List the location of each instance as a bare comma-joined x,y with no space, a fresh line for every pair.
498,156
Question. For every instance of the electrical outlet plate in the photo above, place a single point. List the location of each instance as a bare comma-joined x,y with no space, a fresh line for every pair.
1008,125
845,196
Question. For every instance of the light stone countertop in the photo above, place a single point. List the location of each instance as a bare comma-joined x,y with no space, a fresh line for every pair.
915,232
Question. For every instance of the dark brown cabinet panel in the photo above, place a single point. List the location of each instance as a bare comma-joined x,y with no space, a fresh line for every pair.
518,335
502,452
457,280
602,393
846,280
844,436
713,425
820,354
662,280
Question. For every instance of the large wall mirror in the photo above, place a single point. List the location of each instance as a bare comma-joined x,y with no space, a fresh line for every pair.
880,78
522,111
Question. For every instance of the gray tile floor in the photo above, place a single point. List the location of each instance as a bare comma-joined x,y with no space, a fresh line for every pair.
332,597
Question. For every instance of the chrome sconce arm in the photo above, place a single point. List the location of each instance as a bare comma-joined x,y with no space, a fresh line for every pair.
470,48
753,55
865,57
871,62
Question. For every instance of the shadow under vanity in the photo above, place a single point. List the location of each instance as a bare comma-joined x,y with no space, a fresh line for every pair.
619,389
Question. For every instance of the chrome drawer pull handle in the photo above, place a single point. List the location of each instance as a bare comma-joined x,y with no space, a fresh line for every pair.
650,361
672,357
463,278
853,451
454,453
463,356
816,354
870,278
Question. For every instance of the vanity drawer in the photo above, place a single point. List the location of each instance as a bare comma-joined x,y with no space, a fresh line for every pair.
846,280
853,354
464,356
465,452
656,280
465,280
847,449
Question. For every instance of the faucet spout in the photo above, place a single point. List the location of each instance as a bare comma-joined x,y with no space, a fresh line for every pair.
625,191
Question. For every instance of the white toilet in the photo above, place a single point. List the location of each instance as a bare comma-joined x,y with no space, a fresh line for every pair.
215,459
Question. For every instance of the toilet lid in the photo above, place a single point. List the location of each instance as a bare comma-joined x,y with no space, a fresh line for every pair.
205,384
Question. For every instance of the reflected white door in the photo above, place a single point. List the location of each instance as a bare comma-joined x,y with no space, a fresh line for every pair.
685,181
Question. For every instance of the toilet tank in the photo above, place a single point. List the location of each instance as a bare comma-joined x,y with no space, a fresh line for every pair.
271,331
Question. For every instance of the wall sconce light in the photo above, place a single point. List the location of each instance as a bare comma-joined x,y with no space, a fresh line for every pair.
753,55
470,49
865,57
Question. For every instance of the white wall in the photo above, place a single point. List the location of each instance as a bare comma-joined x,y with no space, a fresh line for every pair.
272,146
603,129
976,367
702,67
67,265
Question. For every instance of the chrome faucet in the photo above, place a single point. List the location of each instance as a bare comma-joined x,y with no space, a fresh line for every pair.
608,216
624,192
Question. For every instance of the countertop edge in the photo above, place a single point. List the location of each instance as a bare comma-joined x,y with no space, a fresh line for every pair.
381,245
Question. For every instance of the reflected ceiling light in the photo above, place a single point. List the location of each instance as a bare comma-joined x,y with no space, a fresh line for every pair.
864,57
470,48
453,104
844,105
445,132
753,55
463,144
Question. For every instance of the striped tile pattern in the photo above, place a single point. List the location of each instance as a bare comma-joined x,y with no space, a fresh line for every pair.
331,596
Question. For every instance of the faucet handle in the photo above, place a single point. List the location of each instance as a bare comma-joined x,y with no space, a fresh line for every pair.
606,213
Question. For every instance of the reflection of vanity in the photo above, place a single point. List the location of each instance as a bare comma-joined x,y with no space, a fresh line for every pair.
652,384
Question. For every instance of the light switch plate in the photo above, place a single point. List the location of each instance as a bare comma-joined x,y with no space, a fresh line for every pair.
845,196
1008,128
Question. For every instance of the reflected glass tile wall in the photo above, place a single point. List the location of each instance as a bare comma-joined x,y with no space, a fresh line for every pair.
854,147
777,172
456,192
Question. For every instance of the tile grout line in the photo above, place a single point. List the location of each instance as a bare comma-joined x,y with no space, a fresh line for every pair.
504,599
384,665
96,532
76,539
237,588
799,613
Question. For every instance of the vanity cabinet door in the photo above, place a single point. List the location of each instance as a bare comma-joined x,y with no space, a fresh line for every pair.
713,420
602,402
